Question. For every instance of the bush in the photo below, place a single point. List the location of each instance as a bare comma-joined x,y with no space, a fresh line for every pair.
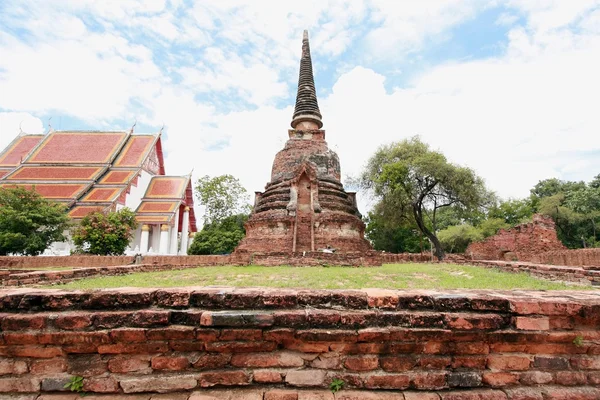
219,237
105,233
455,239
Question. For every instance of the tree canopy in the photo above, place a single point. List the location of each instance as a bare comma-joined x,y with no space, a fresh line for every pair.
413,182
28,222
105,233
221,196
219,237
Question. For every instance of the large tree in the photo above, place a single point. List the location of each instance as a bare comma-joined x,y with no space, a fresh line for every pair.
28,222
221,196
412,182
219,237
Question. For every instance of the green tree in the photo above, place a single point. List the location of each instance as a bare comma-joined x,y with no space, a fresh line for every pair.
222,196
512,211
105,233
219,237
413,182
28,222
455,239
393,238
491,226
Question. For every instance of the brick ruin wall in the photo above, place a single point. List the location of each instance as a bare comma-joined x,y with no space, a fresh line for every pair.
521,242
291,344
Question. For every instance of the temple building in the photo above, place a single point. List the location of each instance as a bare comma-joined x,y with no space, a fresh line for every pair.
305,207
106,171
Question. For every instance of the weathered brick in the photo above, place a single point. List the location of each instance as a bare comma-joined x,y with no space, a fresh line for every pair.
476,394
171,333
532,323
73,321
42,367
147,318
305,378
429,380
212,361
398,382
22,322
508,363
132,363
500,379
240,347
240,334
265,360
129,335
555,363
20,338
583,362
570,378
398,363
434,362
362,363
225,378
555,393
19,385
267,376
464,379
36,351
12,367
535,377
86,365
133,348
158,383
236,319
101,385
524,393
169,363
279,394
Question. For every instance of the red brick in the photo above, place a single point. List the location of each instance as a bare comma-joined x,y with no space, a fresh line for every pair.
429,380
433,362
170,363
535,378
129,335
373,335
582,362
362,363
524,393
500,379
241,334
186,345
132,348
471,362
73,321
101,385
398,363
125,364
41,367
477,394
212,361
570,378
267,376
318,335
207,335
278,394
171,333
19,385
73,337
36,351
594,378
508,363
532,323
398,382
225,378
158,383
87,365
571,393
22,322
240,347
10,366
146,318
20,338
265,360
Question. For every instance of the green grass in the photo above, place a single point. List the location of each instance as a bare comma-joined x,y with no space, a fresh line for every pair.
391,276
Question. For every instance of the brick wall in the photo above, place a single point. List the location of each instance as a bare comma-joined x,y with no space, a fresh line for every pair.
519,243
380,343
578,257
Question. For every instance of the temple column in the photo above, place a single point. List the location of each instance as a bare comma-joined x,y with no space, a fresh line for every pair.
144,239
174,232
192,236
185,231
164,239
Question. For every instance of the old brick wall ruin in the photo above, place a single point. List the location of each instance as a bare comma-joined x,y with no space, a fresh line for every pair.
521,242
287,344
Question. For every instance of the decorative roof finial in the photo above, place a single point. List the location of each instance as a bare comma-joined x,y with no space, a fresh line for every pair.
307,107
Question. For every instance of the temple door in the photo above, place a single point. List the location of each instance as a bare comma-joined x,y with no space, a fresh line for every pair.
304,215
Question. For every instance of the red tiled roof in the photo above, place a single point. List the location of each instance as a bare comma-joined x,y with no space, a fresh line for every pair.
4,172
18,149
54,173
166,187
54,190
81,211
146,218
157,206
135,151
78,147
117,177
100,194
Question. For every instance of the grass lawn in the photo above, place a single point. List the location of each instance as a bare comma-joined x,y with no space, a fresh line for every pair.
390,276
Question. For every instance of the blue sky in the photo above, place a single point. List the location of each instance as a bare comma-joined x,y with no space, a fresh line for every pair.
508,88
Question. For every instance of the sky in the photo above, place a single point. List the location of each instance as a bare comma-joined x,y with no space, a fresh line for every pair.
509,88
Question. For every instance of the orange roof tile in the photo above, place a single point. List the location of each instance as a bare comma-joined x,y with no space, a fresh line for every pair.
166,187
18,149
78,147
157,206
134,152
54,190
117,177
144,218
100,194
54,173
4,172
82,211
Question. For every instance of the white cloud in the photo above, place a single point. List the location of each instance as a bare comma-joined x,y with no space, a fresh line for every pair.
13,123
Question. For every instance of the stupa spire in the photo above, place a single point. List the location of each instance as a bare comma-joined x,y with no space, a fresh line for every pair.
307,107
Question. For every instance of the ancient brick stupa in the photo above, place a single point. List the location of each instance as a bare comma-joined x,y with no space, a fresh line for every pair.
305,207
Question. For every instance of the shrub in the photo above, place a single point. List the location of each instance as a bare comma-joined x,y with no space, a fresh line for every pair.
105,233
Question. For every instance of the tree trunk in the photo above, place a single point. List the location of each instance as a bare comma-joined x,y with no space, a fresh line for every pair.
418,214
